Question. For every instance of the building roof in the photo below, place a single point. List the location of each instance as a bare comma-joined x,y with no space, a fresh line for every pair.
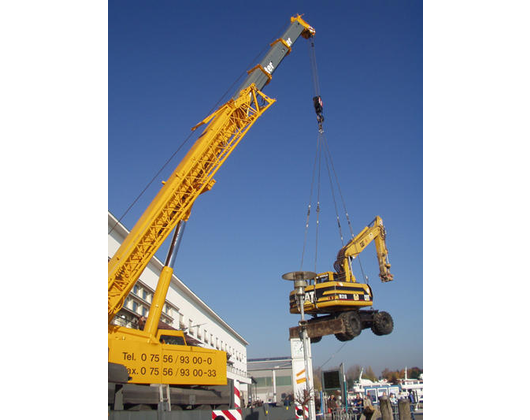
269,363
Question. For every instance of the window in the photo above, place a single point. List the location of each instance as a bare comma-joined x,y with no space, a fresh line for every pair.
206,336
181,321
144,294
283,381
171,339
263,382
135,289
135,306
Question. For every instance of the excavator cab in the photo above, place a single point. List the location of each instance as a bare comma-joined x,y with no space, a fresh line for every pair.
328,295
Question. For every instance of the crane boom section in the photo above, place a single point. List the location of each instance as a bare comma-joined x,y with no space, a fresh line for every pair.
376,232
261,74
193,176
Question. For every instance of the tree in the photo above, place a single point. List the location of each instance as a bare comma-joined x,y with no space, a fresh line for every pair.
317,382
396,375
352,374
392,376
303,397
369,374
385,374
414,373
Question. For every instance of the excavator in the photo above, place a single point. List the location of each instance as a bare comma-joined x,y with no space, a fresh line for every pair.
162,356
336,300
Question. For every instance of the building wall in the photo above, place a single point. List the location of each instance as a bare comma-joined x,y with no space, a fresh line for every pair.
183,310
270,373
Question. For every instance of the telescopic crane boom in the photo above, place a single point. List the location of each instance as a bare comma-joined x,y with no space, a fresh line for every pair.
194,175
170,209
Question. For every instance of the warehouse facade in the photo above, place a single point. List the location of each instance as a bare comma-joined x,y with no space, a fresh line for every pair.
271,380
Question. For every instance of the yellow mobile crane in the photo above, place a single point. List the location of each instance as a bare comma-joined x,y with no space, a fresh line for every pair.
339,297
153,355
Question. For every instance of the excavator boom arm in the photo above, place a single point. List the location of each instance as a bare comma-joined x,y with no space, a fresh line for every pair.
376,232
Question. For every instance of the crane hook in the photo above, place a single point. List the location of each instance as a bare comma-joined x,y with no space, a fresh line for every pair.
319,105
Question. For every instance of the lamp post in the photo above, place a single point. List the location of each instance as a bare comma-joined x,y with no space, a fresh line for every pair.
300,282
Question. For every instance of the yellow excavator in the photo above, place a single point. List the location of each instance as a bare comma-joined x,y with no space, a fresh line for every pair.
335,299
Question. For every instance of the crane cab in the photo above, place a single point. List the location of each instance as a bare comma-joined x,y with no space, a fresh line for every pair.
171,337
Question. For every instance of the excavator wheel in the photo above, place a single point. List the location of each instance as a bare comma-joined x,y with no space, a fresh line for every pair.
353,324
315,340
383,323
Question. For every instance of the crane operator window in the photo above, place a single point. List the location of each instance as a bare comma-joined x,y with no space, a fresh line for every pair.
170,339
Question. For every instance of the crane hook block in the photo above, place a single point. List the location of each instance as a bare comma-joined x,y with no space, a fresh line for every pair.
318,104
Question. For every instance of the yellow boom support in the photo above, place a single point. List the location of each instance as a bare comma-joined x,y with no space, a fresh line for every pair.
147,359
193,176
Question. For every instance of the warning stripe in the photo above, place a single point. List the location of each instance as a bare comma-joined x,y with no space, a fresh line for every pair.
302,377
237,395
296,408
306,411
228,414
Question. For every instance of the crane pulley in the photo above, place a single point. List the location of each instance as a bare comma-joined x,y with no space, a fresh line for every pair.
319,105
317,99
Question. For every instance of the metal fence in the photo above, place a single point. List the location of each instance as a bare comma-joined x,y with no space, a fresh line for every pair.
355,414
260,413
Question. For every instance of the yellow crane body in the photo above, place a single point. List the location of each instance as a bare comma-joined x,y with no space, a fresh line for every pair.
165,358
194,175
161,356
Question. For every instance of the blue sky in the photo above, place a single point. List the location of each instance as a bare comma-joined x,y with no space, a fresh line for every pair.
170,62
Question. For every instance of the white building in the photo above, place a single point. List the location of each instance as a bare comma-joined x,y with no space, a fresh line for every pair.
183,310
271,379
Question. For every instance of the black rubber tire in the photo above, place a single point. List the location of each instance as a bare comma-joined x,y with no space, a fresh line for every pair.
343,337
315,340
354,326
383,323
